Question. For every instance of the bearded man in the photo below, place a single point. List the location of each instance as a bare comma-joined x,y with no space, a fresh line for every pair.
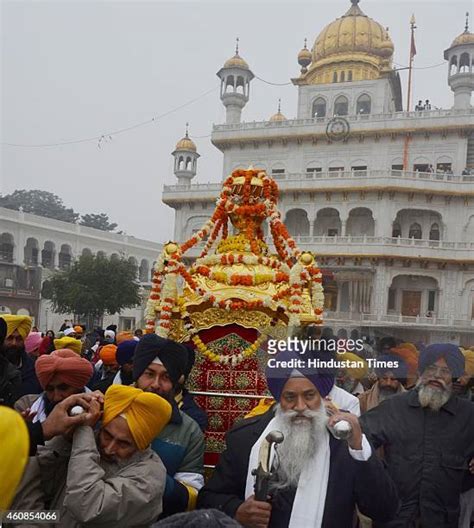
318,480
428,439
18,328
158,366
109,479
389,382
61,374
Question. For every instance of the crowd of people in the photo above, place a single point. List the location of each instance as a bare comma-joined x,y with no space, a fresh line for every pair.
100,427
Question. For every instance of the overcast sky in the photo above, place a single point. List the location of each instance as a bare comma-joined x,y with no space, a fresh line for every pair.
77,70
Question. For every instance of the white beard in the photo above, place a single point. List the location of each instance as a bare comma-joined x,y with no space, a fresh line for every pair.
433,398
299,445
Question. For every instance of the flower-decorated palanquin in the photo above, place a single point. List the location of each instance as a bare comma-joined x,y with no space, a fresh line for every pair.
235,295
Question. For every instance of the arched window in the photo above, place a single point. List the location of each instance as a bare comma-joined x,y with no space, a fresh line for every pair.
188,163
48,254
434,232
453,68
415,231
6,247
464,63
341,106
229,84
364,104
143,271
240,88
334,77
319,107
349,78
31,252
342,77
396,230
65,256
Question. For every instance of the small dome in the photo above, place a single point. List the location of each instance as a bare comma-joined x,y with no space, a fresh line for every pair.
464,38
304,56
186,144
236,62
278,117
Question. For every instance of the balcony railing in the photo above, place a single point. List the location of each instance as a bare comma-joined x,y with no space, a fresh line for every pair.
398,319
385,241
390,177
372,118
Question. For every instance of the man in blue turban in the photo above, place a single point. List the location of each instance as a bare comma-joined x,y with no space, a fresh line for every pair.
317,480
428,439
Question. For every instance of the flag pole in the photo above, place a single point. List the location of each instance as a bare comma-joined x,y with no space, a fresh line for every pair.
410,71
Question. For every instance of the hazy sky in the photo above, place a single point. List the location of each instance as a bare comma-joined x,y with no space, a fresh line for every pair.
77,70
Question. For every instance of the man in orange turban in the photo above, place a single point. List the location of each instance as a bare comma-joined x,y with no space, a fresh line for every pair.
61,374
14,350
112,478
107,367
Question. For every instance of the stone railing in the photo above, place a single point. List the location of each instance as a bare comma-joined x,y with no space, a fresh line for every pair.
384,241
398,319
295,180
361,118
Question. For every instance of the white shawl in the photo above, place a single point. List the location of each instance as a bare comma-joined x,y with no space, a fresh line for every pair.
310,498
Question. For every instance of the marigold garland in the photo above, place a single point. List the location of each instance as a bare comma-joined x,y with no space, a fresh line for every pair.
252,204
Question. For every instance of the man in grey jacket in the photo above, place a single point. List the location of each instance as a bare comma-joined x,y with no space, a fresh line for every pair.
109,479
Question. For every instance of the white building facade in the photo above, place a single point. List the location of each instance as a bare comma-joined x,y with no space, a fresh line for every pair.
32,247
389,208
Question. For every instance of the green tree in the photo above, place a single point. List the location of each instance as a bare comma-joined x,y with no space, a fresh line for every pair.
41,203
98,221
93,287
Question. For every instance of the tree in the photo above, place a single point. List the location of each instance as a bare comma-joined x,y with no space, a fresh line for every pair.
97,221
93,287
41,203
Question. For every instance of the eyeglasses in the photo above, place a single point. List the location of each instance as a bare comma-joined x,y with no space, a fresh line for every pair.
433,370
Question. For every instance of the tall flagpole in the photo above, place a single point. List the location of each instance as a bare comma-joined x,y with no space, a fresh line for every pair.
410,71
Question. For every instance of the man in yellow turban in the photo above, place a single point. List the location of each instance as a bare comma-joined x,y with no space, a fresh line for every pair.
111,478
464,384
68,342
18,328
349,377
14,446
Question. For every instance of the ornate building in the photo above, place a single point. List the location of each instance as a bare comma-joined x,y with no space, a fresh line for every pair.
383,196
31,247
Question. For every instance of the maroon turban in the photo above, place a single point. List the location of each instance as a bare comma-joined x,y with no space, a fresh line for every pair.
67,365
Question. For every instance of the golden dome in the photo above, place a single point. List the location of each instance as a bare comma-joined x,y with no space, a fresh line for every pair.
464,38
354,32
304,56
353,42
186,144
278,116
236,62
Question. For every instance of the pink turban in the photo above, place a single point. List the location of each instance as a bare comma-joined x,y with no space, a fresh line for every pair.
67,365
32,342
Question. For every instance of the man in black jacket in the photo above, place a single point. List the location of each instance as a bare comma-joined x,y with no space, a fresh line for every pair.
428,440
317,480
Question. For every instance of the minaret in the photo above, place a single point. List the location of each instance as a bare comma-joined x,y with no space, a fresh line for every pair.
460,57
185,159
235,78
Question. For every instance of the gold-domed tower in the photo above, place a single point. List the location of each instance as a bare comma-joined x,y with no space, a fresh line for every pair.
353,47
